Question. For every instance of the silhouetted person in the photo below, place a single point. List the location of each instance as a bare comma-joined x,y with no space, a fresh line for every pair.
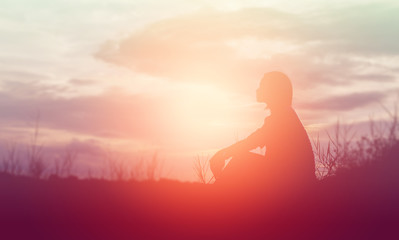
289,155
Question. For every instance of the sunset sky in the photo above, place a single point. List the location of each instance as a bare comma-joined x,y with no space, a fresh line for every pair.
179,77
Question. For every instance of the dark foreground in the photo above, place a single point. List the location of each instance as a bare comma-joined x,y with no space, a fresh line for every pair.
361,203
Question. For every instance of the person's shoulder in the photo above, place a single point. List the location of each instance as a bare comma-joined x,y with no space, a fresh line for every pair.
281,116
284,113
268,119
268,122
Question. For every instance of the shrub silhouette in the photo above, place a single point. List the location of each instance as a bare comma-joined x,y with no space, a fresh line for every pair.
342,152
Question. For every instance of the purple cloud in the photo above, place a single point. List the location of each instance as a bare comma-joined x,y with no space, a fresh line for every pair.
345,102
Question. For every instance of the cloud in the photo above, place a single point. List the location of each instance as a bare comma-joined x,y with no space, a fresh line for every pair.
386,78
194,47
370,29
17,75
81,82
145,120
328,47
111,114
345,102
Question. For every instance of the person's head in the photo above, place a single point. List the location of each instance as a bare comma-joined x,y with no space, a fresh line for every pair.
275,89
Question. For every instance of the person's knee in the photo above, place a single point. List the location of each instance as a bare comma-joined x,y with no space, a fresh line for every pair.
249,156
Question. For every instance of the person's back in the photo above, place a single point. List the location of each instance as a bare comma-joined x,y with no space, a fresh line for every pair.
289,153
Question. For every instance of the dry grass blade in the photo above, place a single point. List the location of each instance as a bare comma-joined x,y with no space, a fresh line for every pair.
201,168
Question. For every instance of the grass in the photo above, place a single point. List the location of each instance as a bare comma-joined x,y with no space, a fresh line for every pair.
345,150
201,169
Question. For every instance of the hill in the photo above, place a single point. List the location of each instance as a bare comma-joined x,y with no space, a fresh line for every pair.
357,203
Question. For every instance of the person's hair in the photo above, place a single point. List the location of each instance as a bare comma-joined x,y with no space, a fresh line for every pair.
278,89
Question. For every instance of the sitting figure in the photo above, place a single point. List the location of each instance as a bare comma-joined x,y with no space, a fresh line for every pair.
289,156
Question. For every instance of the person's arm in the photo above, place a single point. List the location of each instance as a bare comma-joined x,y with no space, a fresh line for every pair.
251,142
217,162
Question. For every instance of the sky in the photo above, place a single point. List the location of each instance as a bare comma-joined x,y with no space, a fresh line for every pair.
179,77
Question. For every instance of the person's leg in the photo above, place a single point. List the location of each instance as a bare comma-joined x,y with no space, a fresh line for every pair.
243,168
